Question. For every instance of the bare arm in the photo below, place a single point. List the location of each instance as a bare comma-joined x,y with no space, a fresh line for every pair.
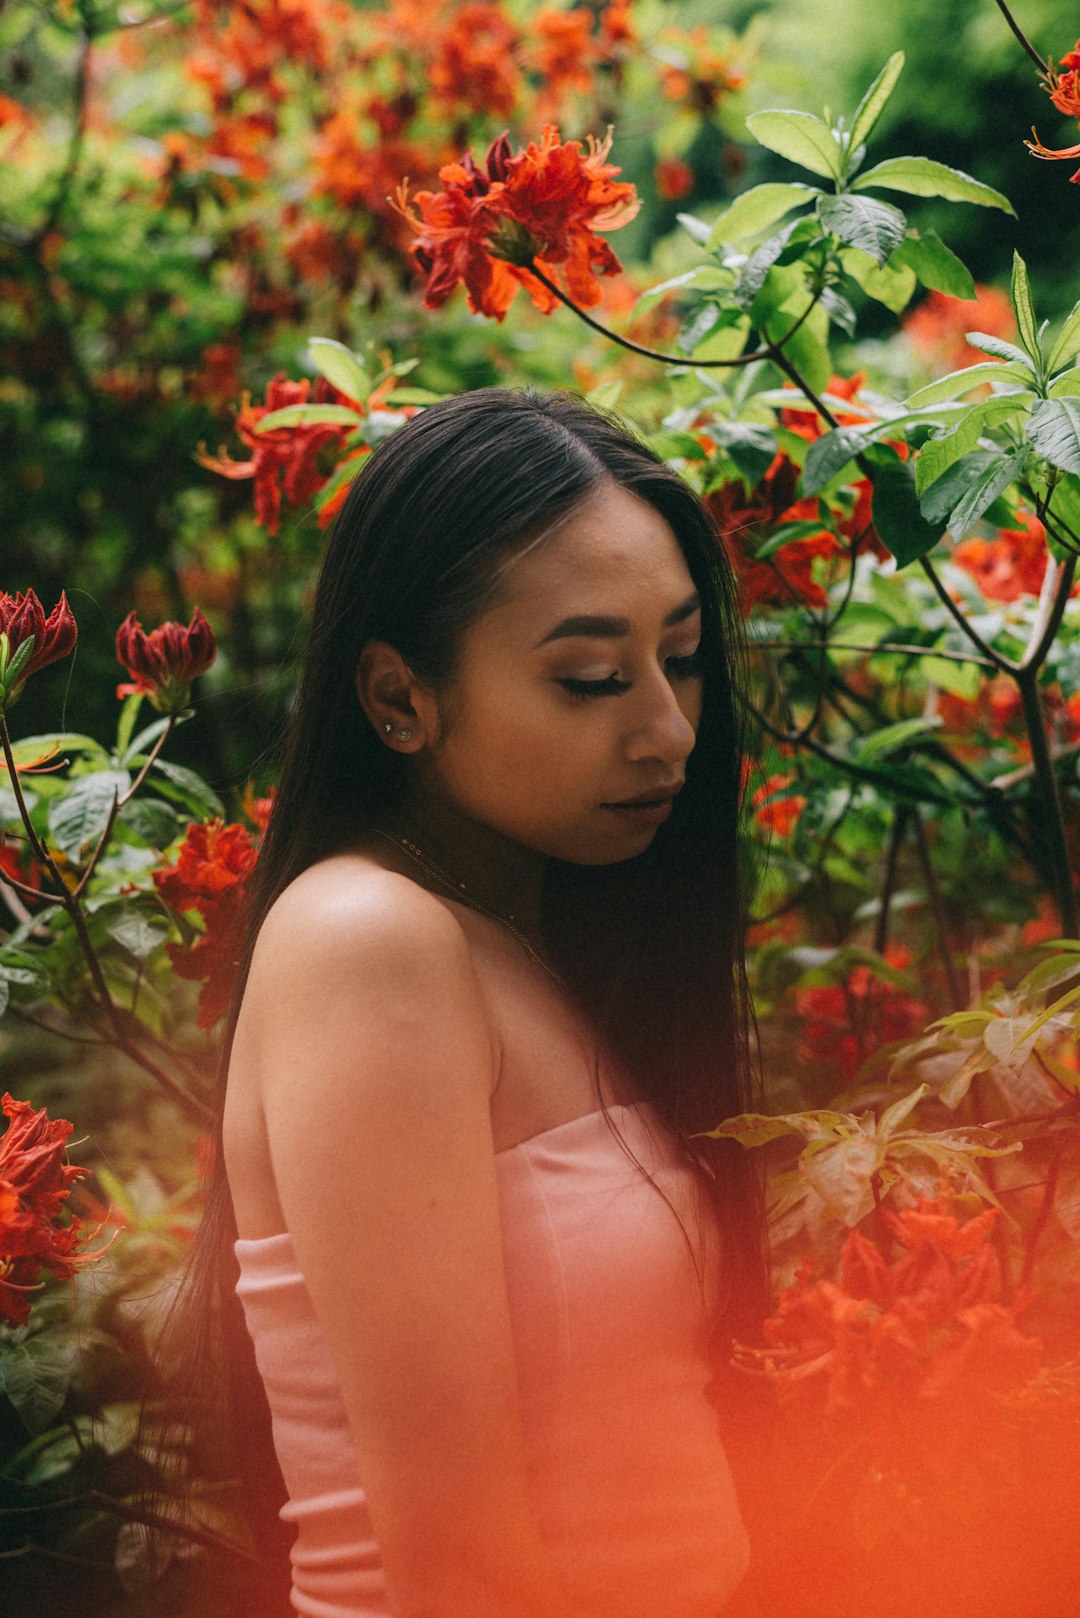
374,1062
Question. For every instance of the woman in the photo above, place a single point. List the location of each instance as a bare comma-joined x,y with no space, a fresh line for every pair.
493,1000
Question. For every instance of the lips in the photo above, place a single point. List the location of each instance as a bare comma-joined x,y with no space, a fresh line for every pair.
648,800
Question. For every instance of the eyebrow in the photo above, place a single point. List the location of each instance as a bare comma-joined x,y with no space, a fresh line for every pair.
600,628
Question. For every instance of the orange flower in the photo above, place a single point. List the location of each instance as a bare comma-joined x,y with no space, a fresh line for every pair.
35,1179
210,878
542,207
563,56
776,810
938,325
1009,566
700,75
475,61
674,179
906,1337
843,1022
286,463
1064,92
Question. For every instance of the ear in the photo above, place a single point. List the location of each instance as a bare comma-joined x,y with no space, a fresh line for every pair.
399,706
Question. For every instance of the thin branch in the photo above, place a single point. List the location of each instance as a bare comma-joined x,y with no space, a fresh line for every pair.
937,910
857,772
768,352
1053,599
1043,67
900,648
896,837
1004,665
1053,822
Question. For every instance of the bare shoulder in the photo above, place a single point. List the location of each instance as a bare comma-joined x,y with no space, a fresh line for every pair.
348,915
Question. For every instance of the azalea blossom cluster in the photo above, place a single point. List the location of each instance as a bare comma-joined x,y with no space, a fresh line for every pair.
163,663
35,1232
498,226
1064,92
209,880
30,640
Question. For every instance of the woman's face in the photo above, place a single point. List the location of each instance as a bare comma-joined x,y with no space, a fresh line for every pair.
578,694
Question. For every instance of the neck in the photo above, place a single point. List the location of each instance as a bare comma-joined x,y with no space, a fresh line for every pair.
503,876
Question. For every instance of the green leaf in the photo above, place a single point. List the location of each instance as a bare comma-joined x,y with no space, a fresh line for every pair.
35,1374
1067,345
757,209
78,818
1000,348
829,454
1065,506
891,284
136,928
894,505
891,738
787,534
1065,385
128,715
411,396
695,227
140,746
875,100
959,679
155,822
311,415
863,222
1022,307
184,786
340,366
801,138
980,496
751,445
960,382
938,454
31,748
1053,431
936,265
923,177
943,496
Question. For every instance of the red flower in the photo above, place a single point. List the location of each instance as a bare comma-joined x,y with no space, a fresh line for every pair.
674,179
938,327
931,1328
1064,92
210,878
1009,566
474,65
35,1179
842,1022
286,462
164,663
747,520
540,207
22,618
563,56
775,812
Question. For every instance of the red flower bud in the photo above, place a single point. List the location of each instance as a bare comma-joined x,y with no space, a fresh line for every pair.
22,618
163,664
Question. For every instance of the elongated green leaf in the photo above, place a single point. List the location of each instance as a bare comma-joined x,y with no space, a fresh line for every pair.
801,138
936,265
875,100
1066,384
787,534
942,497
31,748
923,177
999,347
1064,512
830,453
310,415
863,222
140,929
894,505
1067,345
78,818
751,445
695,227
891,738
938,454
757,209
1022,307
340,366
184,786
155,822
996,477
1053,431
958,383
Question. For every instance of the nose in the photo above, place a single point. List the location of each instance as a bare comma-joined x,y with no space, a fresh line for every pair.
661,727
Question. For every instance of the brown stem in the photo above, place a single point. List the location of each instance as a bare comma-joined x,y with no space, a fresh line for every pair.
1004,665
896,837
937,910
769,352
1043,67
1054,598
1050,801
900,648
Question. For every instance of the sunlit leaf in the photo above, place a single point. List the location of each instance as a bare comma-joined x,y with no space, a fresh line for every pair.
340,366
801,138
875,100
755,210
1022,306
1053,431
923,177
863,222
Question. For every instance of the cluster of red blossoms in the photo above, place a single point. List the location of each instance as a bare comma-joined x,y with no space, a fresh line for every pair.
163,663
1064,92
841,1023
929,1331
495,228
210,879
35,1179
41,640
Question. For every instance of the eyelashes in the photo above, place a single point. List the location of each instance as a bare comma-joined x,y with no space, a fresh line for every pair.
678,668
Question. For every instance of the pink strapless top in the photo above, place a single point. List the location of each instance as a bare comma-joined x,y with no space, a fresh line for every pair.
626,1466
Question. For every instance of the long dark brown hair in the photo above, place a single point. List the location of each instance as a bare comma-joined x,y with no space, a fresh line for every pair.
652,948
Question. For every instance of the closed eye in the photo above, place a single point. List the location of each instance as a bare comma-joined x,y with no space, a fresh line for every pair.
677,668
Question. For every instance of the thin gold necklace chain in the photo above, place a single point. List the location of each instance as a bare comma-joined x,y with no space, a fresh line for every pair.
461,893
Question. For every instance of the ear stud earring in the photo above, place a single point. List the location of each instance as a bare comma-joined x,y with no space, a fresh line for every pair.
401,735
